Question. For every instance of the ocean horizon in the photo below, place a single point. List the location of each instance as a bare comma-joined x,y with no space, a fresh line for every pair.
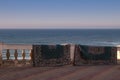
99,37
61,36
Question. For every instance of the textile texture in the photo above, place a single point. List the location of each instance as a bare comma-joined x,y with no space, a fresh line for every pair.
51,55
94,55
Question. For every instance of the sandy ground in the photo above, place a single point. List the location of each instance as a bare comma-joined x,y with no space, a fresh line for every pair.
100,72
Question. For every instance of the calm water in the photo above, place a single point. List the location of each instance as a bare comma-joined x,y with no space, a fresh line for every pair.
59,36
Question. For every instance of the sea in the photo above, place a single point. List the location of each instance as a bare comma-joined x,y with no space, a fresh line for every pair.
99,37
61,36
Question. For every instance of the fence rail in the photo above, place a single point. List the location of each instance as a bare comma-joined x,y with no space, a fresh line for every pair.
15,54
17,61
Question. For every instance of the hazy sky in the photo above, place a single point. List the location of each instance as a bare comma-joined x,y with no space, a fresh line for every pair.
59,13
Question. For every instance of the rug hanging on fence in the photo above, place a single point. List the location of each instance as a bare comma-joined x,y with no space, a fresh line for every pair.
94,55
51,55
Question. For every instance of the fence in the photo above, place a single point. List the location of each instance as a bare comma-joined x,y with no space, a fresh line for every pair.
57,55
10,53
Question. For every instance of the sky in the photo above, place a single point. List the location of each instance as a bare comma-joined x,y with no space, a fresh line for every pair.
59,14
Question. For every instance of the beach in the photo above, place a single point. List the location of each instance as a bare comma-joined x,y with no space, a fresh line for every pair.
26,71
59,39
